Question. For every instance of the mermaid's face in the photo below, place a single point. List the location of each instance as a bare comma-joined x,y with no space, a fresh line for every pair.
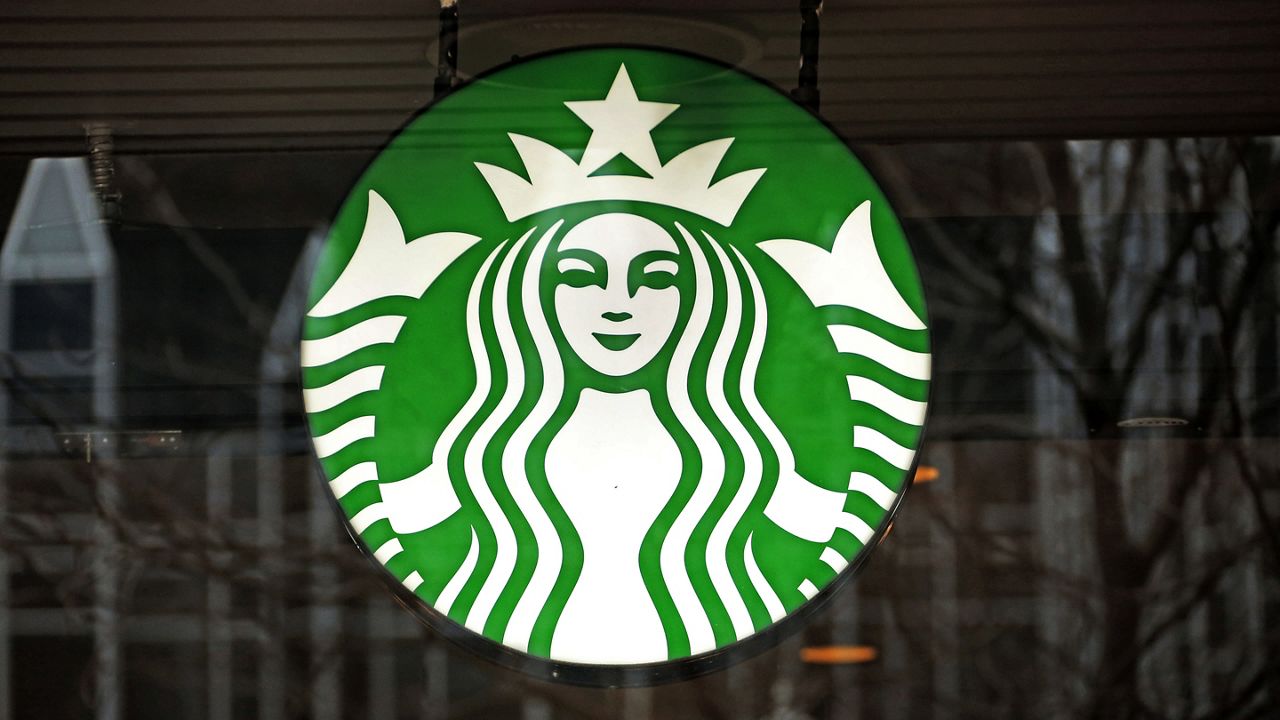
616,297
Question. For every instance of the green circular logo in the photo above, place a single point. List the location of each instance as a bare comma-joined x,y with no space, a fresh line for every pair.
616,357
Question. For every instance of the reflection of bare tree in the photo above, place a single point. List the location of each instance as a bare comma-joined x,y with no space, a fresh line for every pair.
1145,285
1062,566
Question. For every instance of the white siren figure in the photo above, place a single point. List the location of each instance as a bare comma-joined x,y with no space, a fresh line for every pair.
618,282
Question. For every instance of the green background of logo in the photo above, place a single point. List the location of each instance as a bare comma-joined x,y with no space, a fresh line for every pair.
427,176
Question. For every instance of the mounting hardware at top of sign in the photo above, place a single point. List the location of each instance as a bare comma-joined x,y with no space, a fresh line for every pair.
447,65
806,92
102,169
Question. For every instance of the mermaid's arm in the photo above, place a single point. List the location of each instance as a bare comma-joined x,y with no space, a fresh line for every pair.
811,512
420,501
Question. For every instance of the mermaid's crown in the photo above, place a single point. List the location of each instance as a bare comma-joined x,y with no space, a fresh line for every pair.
620,125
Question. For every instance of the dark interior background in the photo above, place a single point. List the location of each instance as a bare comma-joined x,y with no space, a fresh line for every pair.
1090,188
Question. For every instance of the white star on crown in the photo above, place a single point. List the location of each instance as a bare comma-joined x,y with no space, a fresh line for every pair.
620,124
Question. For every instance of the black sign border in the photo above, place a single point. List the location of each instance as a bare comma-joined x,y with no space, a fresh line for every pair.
644,674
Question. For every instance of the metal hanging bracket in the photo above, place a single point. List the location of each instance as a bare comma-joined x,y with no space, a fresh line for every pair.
447,63
806,92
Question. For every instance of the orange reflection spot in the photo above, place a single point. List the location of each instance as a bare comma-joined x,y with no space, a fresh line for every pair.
926,473
839,654
887,529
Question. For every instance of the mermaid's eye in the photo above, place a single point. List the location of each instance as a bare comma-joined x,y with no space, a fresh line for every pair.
571,263
655,269
659,274
578,272
662,266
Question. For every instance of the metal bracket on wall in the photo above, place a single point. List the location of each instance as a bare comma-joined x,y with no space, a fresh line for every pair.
806,92
102,169
447,64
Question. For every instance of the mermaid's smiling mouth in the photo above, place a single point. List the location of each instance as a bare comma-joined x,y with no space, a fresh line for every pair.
615,342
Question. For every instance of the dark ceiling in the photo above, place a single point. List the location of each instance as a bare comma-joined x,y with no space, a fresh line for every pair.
190,76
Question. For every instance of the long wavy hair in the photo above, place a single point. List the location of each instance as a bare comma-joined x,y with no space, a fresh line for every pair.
696,559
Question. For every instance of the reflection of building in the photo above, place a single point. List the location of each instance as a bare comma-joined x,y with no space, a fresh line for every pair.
58,332
174,554
59,321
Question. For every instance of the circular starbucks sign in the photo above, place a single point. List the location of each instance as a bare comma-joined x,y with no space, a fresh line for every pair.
615,358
